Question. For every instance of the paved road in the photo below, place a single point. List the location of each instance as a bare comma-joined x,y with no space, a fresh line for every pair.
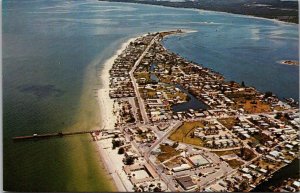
258,156
139,98
171,128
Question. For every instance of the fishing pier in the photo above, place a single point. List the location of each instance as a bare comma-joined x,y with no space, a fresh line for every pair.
59,134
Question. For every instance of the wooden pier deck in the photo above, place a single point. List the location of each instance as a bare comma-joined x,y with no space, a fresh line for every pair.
49,135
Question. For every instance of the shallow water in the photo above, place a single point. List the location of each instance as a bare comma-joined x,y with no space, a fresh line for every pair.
52,54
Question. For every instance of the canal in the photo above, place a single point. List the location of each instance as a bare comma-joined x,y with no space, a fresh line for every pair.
289,171
192,103
153,76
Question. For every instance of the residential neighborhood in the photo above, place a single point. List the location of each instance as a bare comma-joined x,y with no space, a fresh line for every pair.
183,127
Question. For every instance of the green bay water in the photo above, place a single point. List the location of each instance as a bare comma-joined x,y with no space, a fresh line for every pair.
53,52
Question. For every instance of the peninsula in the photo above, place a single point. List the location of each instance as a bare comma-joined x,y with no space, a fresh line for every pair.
235,141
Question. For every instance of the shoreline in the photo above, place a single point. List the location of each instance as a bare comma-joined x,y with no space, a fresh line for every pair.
206,10
289,62
107,117
271,176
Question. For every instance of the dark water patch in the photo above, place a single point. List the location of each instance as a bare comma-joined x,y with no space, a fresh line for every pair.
152,67
154,78
192,103
289,171
41,91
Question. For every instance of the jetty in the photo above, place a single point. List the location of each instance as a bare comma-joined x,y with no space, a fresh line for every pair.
58,134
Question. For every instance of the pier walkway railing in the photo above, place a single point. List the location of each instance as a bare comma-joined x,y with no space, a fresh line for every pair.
59,134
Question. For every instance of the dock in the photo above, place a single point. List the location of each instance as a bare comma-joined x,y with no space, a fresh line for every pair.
59,134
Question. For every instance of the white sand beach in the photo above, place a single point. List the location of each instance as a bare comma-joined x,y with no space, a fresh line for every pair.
111,159
108,119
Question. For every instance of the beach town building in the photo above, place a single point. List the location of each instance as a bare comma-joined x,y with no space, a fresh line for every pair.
147,81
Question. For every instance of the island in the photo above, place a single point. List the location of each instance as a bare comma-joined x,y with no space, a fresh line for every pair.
289,62
232,138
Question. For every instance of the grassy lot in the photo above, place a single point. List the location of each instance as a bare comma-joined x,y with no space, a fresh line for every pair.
167,79
252,106
242,95
228,122
288,157
235,163
221,153
279,108
145,75
167,152
183,133
245,154
265,165
173,163
260,138
149,93
181,95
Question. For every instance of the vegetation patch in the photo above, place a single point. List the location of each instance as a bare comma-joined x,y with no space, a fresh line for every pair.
180,95
261,138
227,152
173,162
145,75
244,153
235,163
167,152
252,106
185,133
166,79
228,122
